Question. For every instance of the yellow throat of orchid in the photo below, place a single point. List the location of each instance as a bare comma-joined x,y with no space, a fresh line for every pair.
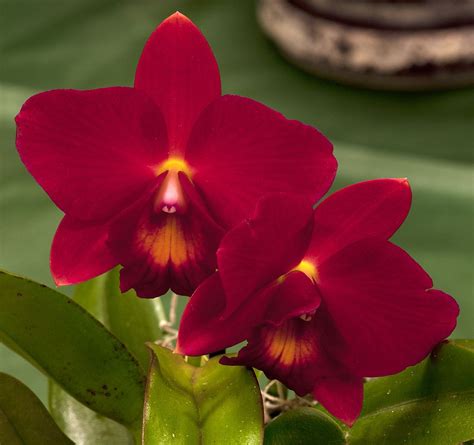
309,269
174,164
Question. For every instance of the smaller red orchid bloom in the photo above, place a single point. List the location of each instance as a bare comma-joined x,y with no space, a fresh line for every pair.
151,177
322,297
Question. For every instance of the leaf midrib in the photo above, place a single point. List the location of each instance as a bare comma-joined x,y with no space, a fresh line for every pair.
199,422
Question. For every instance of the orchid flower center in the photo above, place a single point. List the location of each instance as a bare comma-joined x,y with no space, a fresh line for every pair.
308,316
174,164
309,269
170,197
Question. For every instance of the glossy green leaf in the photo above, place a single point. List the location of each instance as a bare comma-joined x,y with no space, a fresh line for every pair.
71,347
81,424
134,321
212,404
428,404
304,426
23,418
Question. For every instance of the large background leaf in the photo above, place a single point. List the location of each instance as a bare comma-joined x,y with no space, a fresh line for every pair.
71,347
23,418
89,44
204,405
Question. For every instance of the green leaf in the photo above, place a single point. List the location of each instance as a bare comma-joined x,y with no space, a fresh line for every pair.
304,426
83,425
23,418
428,404
206,405
133,320
71,347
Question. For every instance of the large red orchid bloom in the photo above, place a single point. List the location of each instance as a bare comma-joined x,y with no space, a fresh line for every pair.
322,297
150,177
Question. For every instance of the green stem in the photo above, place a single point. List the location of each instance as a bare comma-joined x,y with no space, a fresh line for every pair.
160,310
282,390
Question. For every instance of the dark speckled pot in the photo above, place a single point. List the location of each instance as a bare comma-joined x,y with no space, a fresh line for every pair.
397,44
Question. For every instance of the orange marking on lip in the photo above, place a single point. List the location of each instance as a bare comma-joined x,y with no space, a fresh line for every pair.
165,243
285,347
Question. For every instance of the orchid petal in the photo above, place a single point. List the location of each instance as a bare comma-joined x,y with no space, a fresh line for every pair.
368,209
204,330
79,251
241,150
380,315
92,151
342,396
178,70
260,250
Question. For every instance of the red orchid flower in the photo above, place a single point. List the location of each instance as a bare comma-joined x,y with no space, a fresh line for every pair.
322,297
150,177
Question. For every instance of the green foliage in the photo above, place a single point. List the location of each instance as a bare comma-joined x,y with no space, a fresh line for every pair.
134,321
71,347
213,404
304,426
82,425
428,404
23,418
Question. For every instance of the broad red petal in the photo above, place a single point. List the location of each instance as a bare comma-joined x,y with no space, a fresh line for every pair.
92,151
342,396
259,250
241,150
162,250
367,209
380,317
204,330
178,70
79,251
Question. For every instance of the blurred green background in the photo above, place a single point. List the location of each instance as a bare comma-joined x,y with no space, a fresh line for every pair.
95,43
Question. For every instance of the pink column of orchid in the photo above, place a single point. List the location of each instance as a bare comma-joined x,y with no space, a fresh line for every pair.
160,177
